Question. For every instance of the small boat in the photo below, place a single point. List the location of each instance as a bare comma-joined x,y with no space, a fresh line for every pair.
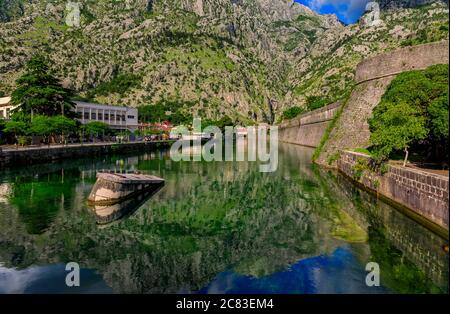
113,188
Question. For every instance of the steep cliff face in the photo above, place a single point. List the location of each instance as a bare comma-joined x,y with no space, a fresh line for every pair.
396,4
249,59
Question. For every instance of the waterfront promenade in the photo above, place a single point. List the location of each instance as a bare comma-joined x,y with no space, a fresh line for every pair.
21,156
9,148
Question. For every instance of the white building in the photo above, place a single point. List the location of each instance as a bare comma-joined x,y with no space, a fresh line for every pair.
5,107
118,118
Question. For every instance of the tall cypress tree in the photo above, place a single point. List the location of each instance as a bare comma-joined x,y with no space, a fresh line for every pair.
40,93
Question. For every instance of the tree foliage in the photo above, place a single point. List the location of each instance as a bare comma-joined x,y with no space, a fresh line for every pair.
293,112
40,93
316,102
221,123
176,112
413,112
42,126
16,127
120,84
395,127
63,125
96,128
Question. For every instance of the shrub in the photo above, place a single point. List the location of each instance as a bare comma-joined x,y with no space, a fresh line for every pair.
293,112
412,112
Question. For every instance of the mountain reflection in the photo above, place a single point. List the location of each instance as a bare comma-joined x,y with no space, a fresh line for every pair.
217,221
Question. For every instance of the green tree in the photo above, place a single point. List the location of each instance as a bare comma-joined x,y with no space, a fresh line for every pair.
63,125
174,111
316,102
221,124
40,93
96,128
16,127
293,112
395,127
42,126
152,113
439,115
413,112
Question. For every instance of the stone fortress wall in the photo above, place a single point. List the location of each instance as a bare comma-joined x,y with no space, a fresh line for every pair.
424,194
309,128
373,76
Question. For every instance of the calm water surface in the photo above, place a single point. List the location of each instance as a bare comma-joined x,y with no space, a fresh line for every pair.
213,228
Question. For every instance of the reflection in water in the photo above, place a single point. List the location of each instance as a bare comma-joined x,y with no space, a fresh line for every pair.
320,274
215,227
49,279
108,214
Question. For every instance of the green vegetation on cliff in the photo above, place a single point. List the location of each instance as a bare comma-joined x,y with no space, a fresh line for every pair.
214,59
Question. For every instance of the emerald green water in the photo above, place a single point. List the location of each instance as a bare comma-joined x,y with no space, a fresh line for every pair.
213,228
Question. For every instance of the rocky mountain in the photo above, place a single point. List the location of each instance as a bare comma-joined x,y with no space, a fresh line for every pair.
395,4
250,59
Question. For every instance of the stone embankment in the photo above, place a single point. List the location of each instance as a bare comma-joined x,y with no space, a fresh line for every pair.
425,194
44,154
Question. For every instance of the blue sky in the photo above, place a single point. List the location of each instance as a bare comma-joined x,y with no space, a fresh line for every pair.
348,11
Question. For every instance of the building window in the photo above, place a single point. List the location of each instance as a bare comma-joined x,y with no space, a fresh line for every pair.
86,116
100,116
117,118
130,117
123,117
79,115
93,116
107,116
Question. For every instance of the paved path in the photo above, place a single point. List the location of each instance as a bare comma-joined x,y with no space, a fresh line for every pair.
27,148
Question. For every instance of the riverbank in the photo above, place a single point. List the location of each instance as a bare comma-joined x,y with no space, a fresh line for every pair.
43,154
421,195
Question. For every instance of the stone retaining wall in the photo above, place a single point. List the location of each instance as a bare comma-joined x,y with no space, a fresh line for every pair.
309,128
42,155
373,77
426,194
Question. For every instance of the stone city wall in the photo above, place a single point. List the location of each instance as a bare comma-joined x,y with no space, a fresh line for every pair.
373,77
309,128
426,194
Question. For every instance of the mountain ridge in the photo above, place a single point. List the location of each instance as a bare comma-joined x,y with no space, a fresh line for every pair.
247,59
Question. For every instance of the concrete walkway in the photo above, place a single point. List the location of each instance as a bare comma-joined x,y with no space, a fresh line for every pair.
30,148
